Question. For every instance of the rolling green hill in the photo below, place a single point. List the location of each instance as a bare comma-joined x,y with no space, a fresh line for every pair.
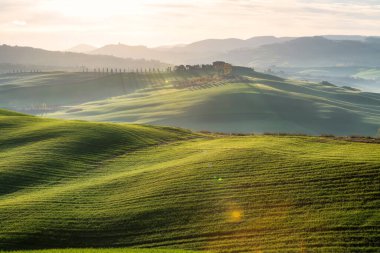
91,250
252,102
246,102
41,92
75,184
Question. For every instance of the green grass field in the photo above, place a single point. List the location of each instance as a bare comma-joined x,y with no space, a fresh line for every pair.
256,105
75,184
120,250
253,102
25,91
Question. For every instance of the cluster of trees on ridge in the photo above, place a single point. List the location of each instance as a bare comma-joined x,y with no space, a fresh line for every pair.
219,66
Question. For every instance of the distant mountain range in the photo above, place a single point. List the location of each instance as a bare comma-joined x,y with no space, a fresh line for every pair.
261,52
43,59
194,53
309,52
264,51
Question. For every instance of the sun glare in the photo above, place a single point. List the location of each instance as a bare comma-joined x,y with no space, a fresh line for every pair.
236,215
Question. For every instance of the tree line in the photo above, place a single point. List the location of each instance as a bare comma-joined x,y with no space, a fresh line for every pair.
218,66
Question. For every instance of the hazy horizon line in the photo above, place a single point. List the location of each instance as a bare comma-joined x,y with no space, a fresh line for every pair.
183,43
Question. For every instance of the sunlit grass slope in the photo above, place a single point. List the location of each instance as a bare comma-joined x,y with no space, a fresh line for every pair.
92,250
72,184
50,149
253,103
29,91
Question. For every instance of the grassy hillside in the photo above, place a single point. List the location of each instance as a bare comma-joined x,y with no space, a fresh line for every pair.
70,184
198,100
252,102
41,92
121,250
49,91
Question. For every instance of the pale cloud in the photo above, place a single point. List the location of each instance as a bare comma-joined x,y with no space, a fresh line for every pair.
59,24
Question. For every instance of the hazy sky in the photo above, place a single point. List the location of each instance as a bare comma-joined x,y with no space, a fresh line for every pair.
61,24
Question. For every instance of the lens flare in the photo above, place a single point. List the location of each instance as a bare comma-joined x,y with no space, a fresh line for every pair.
236,215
